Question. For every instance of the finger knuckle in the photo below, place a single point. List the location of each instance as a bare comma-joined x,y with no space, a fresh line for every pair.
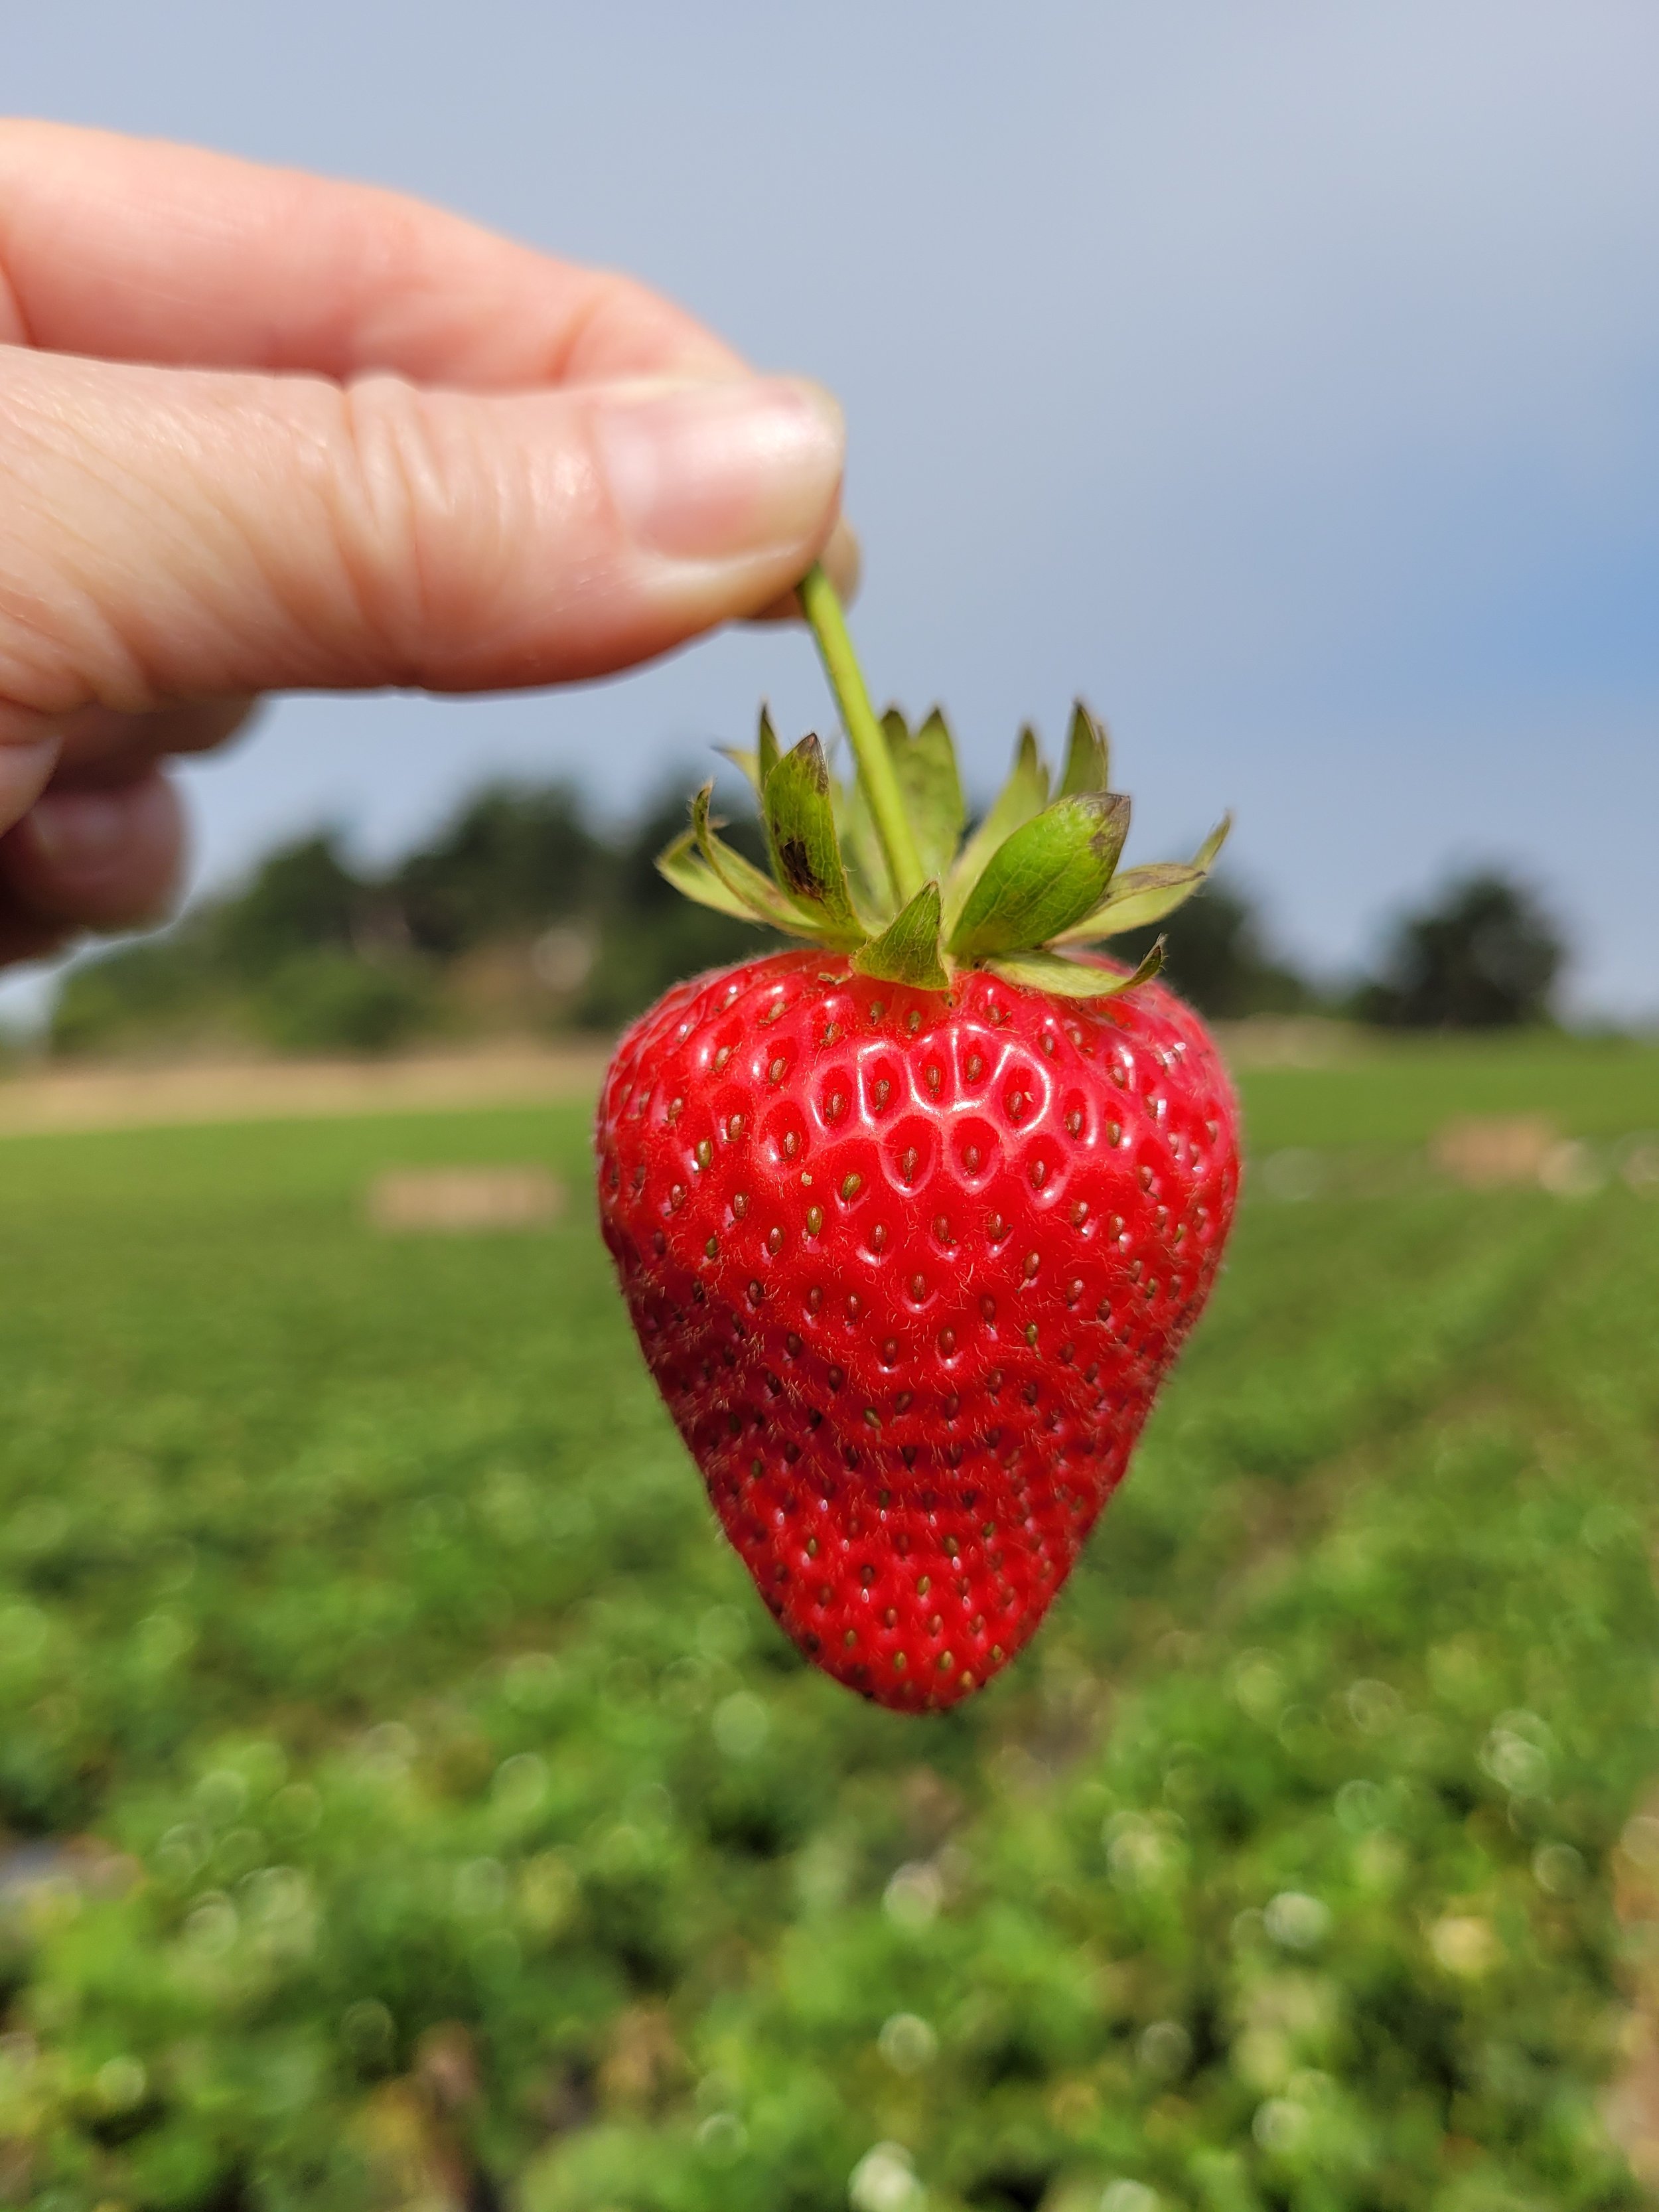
48,624
429,525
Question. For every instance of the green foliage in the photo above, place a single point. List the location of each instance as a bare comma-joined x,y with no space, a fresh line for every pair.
1046,875
1485,954
1073,978
1024,794
309,957
1215,955
1140,897
907,952
325,1001
748,889
925,762
358,1598
803,845
158,991
515,860
1087,755
305,898
315,955
650,936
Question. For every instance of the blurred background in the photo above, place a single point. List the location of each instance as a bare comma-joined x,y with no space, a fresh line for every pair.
403,1801
1287,385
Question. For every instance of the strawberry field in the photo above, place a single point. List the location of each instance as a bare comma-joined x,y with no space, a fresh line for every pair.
407,1802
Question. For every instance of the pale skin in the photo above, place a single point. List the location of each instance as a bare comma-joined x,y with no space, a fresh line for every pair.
259,432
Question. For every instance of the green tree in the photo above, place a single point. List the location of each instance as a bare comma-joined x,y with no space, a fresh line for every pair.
310,955
515,860
159,988
1484,954
304,896
329,1001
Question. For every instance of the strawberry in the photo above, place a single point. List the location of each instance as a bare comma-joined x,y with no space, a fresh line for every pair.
913,1223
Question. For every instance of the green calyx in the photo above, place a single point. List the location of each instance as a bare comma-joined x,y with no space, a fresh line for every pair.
878,866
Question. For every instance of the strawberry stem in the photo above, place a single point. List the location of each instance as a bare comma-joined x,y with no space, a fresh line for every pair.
868,739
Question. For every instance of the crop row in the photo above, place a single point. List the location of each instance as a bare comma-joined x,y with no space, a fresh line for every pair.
405,1788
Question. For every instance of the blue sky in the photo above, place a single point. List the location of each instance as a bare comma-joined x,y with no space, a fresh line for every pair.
1284,379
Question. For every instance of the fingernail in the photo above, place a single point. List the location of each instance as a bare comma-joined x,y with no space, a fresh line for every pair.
76,832
722,471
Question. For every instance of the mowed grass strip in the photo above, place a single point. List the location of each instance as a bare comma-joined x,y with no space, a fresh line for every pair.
360,1590
1400,1091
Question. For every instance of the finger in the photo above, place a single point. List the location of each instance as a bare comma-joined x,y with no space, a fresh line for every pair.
23,937
167,534
29,748
137,251
842,559
98,746
105,859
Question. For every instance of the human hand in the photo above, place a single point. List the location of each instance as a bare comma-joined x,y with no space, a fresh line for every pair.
258,431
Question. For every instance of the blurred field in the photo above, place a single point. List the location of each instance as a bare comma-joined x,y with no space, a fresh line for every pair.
409,1803
1399,1092
56,1099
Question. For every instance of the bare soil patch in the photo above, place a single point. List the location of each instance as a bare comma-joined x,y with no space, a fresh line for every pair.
58,1100
462,1201
1484,1153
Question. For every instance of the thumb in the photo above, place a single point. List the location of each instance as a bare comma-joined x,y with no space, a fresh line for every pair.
170,534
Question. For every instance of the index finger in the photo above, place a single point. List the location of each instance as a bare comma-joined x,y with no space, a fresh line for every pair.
133,250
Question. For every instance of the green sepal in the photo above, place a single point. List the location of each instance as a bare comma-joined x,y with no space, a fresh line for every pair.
861,848
1205,857
1140,897
907,952
1069,978
1037,873
758,763
1024,794
1048,875
759,894
767,749
682,865
1087,755
925,762
800,829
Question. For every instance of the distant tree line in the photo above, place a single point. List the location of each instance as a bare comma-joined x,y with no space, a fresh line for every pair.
522,915
519,915
1483,955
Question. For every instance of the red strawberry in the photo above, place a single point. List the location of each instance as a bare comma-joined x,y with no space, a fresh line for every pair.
911,1231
